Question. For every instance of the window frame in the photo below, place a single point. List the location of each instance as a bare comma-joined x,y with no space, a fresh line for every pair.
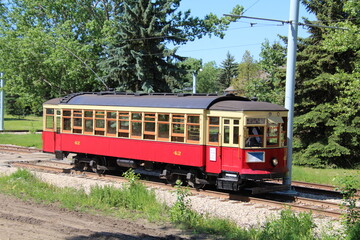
134,121
109,119
77,128
191,124
161,122
46,119
63,117
121,115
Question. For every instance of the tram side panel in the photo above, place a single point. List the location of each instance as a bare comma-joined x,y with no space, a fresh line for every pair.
165,152
48,139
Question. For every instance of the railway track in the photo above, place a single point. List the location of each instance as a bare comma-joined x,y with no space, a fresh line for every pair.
319,207
17,149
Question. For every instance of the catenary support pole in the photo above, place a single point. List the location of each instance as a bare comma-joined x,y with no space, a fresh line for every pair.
2,105
290,81
194,81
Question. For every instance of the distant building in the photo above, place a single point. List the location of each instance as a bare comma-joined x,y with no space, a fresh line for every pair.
231,90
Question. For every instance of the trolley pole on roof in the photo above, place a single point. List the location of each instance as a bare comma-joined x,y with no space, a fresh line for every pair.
2,96
290,81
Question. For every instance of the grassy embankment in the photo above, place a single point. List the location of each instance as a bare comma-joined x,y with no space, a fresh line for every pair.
28,123
31,123
135,201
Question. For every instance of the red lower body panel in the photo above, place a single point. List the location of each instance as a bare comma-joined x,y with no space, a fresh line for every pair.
215,159
166,152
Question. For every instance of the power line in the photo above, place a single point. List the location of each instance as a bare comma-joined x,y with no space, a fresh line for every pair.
251,6
284,21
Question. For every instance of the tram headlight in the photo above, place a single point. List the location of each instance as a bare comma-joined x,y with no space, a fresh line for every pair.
274,162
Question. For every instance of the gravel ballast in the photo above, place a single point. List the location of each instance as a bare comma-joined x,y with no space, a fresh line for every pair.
246,215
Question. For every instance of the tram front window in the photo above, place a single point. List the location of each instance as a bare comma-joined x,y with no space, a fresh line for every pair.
255,136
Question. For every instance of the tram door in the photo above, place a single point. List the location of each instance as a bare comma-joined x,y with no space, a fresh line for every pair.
230,152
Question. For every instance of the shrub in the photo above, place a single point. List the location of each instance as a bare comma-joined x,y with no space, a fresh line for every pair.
289,226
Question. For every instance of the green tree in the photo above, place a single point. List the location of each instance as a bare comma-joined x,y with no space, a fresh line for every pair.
228,71
327,123
52,48
208,79
138,58
271,86
248,75
186,69
49,48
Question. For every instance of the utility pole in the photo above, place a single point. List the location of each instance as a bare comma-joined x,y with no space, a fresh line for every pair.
194,73
290,82
2,96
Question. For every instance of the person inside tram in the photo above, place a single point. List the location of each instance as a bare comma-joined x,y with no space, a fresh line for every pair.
254,139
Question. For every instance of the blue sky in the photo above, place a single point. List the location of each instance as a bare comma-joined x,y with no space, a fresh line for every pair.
240,36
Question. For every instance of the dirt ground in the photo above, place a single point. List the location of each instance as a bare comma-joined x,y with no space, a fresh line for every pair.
28,220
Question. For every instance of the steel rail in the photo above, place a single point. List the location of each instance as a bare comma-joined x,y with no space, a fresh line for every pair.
13,148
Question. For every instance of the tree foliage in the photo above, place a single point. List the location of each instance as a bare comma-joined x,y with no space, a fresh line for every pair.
248,75
207,80
52,48
327,125
228,71
44,45
138,57
265,79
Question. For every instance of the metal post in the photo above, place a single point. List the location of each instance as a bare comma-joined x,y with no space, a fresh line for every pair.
290,81
2,96
194,81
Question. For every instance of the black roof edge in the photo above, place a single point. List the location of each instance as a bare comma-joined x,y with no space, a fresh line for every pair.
228,97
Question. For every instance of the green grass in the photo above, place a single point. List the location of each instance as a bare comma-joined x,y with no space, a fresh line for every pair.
323,176
26,140
135,201
30,123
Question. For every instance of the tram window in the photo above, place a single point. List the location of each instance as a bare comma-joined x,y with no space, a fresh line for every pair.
193,133
193,128
272,138
136,125
163,118
110,123
88,114
136,129
255,120
49,119
226,134
149,127
213,130
235,134
67,113
163,127
89,126
77,121
177,139
67,120
178,128
254,137
66,124
99,122
123,125
111,127
163,130
88,122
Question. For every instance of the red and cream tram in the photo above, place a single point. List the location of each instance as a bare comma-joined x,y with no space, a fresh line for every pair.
202,139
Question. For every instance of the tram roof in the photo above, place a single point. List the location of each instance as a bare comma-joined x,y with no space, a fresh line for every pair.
157,100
